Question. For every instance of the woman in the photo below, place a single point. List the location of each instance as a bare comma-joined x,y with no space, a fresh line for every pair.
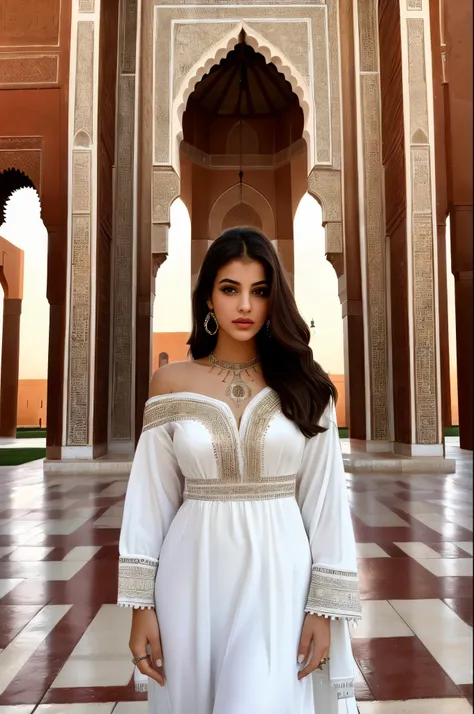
237,551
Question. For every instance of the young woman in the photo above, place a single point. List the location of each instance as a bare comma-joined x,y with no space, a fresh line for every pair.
237,551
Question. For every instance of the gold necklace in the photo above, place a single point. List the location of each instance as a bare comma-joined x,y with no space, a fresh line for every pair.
236,389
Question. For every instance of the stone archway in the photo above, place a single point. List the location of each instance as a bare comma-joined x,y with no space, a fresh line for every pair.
231,198
218,52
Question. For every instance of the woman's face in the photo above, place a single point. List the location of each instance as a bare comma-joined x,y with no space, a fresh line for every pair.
240,299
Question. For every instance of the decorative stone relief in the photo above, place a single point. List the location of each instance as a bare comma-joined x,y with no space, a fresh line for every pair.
424,294
325,186
191,40
28,69
334,239
414,4
86,5
79,335
321,86
157,261
293,40
128,45
81,181
83,111
325,71
368,45
232,161
165,190
121,406
417,82
424,331
421,180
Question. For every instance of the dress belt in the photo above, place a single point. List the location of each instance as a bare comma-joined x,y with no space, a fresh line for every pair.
262,490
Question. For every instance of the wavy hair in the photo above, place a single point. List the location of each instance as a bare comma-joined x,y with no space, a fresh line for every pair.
286,358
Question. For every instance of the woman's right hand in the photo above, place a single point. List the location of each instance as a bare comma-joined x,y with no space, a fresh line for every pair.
146,631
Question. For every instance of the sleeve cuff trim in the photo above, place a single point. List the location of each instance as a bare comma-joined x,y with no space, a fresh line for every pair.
334,594
136,582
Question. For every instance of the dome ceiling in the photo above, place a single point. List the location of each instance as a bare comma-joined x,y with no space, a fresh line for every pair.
243,79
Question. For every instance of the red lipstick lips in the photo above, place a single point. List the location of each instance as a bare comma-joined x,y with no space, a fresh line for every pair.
243,323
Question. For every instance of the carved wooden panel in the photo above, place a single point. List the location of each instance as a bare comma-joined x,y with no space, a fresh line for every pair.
28,69
29,22
23,153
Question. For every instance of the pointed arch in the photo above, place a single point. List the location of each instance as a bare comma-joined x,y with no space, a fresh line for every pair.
219,51
231,198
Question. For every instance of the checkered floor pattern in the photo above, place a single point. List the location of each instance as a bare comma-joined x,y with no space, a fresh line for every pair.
63,642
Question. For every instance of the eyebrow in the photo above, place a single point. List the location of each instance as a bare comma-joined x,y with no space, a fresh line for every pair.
235,282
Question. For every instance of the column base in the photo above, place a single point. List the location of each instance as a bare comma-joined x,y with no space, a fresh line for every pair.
368,460
422,450
371,446
117,464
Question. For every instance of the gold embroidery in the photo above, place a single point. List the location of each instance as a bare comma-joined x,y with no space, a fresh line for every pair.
212,418
263,490
334,593
136,581
255,433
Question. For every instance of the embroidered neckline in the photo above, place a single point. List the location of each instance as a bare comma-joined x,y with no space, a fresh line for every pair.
215,400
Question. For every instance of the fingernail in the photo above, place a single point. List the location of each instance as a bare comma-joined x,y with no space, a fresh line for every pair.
159,663
300,659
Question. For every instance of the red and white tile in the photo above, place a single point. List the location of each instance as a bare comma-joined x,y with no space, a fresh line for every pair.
63,642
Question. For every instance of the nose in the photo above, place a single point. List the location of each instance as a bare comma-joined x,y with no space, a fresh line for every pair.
244,305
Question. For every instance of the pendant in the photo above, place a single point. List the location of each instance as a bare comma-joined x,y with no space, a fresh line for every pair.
237,389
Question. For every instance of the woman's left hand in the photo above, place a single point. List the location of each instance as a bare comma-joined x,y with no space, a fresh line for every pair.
315,635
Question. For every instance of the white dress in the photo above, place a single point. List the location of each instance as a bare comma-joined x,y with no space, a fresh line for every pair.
232,534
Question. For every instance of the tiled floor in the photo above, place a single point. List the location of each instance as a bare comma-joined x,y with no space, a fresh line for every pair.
63,642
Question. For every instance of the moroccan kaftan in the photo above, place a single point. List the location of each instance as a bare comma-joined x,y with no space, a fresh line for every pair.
232,532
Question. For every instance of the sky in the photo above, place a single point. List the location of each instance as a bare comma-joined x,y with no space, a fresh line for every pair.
315,283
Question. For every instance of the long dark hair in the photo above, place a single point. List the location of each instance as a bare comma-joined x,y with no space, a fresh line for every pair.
286,358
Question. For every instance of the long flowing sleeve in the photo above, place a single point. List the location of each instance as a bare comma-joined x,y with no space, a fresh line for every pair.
154,495
334,587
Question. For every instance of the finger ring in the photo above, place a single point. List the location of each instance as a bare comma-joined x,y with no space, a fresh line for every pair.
136,660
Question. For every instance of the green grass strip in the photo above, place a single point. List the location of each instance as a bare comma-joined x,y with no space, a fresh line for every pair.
14,457
27,433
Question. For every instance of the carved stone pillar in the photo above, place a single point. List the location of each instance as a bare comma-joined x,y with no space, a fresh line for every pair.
10,367
91,142
412,225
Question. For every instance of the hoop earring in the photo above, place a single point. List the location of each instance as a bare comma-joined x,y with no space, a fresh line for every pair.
206,323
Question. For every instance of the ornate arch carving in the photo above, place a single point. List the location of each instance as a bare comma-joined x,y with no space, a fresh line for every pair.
231,198
325,186
213,56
